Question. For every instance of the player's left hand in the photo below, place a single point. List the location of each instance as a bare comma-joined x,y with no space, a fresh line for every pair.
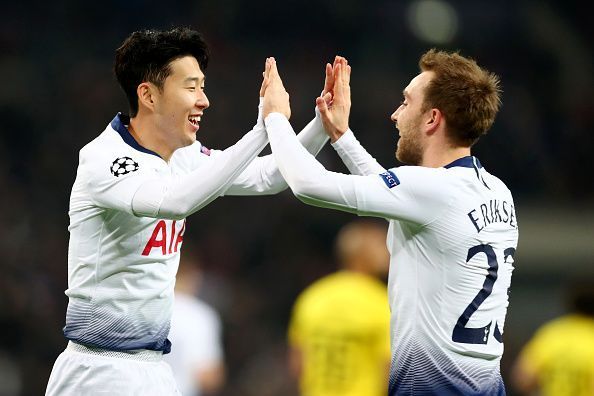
335,110
276,98
265,78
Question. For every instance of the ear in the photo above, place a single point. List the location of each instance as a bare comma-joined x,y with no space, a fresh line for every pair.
146,95
433,121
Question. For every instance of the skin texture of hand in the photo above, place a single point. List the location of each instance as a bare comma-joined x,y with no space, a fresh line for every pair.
266,78
335,109
276,98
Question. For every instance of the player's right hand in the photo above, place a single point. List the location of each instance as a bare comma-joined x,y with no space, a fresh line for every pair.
335,102
265,78
276,98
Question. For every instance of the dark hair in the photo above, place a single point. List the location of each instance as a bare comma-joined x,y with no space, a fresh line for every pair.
468,96
146,55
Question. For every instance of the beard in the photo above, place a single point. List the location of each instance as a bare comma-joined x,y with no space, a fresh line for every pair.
409,150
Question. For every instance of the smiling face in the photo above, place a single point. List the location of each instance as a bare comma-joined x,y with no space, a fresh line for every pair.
409,121
180,104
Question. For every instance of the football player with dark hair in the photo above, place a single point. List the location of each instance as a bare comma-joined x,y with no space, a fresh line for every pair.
136,183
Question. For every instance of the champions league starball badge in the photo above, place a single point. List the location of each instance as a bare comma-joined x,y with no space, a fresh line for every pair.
122,166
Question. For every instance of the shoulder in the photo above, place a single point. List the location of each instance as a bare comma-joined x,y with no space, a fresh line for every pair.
108,156
557,327
325,284
423,183
317,291
371,290
106,142
418,175
497,183
343,283
108,145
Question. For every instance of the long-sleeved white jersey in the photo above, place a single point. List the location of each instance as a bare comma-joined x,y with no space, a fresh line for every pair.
452,237
127,221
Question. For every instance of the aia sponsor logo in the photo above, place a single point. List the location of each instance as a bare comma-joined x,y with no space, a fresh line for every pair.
166,238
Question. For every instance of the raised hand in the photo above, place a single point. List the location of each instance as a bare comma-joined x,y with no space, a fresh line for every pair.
335,102
276,98
265,77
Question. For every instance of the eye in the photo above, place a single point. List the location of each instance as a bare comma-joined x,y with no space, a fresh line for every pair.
191,88
403,103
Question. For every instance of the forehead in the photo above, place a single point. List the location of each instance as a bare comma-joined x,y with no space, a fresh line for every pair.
186,67
417,85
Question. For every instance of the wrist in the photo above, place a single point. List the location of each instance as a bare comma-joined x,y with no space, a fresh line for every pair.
336,133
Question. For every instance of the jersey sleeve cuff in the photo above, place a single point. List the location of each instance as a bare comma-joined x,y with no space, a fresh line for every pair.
346,140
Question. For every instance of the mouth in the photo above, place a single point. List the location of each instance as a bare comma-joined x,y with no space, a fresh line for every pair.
195,120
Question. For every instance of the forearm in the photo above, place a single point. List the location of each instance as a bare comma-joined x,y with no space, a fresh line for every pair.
180,197
313,137
308,179
355,157
262,176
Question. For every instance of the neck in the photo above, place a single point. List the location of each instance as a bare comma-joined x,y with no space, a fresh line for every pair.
148,136
436,158
359,267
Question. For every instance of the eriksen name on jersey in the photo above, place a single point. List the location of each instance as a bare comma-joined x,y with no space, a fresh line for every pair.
494,211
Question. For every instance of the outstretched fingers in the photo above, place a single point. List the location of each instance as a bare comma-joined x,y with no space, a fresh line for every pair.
273,70
265,77
339,84
329,81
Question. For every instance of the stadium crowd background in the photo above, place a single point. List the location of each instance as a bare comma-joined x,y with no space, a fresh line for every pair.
58,93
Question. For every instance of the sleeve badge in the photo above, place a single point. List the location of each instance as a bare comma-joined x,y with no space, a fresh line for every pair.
122,166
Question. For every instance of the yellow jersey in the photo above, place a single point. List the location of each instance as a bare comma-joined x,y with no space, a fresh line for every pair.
561,353
341,325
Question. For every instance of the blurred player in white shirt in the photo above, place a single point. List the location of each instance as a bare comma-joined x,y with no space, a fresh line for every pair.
135,185
452,233
197,356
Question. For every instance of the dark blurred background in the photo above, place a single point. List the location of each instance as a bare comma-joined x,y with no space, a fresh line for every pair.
58,93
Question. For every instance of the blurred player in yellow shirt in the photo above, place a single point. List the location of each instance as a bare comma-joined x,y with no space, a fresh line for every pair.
559,359
339,333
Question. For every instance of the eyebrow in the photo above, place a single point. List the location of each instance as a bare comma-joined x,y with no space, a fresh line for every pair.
405,94
193,79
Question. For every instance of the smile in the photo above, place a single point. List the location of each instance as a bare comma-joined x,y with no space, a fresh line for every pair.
194,120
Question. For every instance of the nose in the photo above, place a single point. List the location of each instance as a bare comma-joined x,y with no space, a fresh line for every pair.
202,100
394,116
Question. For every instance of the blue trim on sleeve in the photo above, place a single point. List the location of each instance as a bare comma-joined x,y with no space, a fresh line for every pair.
389,178
118,124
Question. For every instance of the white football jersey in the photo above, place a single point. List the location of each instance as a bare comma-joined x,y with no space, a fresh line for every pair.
452,237
450,273
121,268
121,264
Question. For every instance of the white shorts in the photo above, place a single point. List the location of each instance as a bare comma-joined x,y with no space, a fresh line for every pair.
81,370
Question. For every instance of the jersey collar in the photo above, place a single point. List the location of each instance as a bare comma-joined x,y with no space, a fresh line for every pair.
469,161
118,124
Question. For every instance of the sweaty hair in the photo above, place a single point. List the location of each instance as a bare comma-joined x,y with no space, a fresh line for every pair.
146,56
467,95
